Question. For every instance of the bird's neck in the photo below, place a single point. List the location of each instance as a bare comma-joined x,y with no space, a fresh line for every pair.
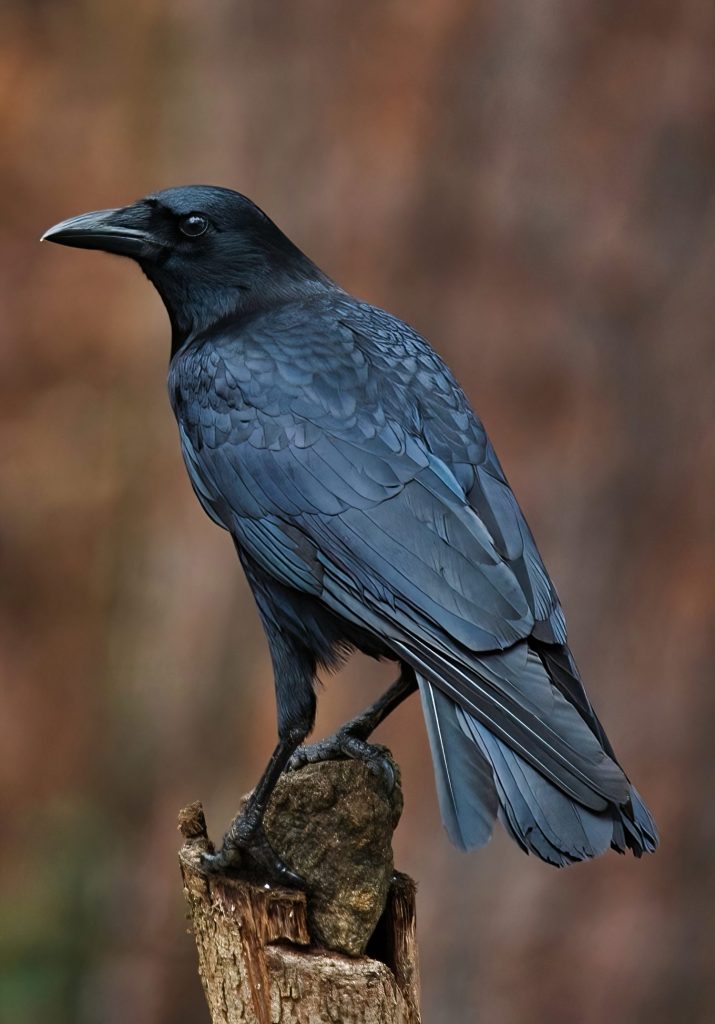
195,305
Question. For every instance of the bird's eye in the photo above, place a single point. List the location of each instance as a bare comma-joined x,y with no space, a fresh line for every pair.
193,225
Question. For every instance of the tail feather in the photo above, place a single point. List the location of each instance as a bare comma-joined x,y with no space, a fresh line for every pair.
510,693
465,784
634,829
641,834
480,776
540,817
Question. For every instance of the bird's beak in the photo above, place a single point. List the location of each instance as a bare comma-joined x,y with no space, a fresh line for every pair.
118,231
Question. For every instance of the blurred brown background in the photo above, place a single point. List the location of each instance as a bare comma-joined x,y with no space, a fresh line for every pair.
529,182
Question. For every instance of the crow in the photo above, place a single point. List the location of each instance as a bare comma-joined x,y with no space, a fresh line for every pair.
369,511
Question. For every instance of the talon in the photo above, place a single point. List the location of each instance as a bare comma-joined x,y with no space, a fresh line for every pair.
373,756
289,878
298,760
382,768
254,846
263,854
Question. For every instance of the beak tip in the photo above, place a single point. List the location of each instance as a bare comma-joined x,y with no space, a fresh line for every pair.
119,231
102,230
52,234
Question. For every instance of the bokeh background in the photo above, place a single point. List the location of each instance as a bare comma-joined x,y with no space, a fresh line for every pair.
529,182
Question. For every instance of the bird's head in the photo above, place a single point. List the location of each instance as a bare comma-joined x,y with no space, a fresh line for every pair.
210,252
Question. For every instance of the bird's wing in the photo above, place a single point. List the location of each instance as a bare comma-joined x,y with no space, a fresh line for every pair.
453,433
379,529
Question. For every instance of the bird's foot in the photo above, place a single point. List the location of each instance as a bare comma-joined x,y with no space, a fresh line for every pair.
246,847
343,744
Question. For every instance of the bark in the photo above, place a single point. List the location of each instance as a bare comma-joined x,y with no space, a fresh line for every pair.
269,955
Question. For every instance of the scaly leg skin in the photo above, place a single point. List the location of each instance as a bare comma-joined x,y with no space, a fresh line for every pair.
350,741
294,673
245,835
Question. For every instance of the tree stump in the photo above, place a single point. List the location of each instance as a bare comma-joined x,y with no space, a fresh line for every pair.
345,951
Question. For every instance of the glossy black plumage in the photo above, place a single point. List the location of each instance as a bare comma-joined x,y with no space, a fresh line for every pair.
369,510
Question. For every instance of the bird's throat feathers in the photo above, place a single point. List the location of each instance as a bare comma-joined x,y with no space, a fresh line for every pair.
198,295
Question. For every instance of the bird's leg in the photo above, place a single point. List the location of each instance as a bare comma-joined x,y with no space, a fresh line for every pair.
351,739
245,833
294,672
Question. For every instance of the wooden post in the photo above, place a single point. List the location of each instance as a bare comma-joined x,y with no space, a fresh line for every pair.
346,952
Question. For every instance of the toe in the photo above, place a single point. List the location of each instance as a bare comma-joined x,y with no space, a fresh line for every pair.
298,760
314,753
222,860
265,856
287,877
388,773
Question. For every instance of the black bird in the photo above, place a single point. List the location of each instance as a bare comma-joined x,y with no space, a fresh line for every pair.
369,510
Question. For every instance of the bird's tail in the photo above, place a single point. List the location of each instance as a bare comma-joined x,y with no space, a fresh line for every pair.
466,791
479,778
